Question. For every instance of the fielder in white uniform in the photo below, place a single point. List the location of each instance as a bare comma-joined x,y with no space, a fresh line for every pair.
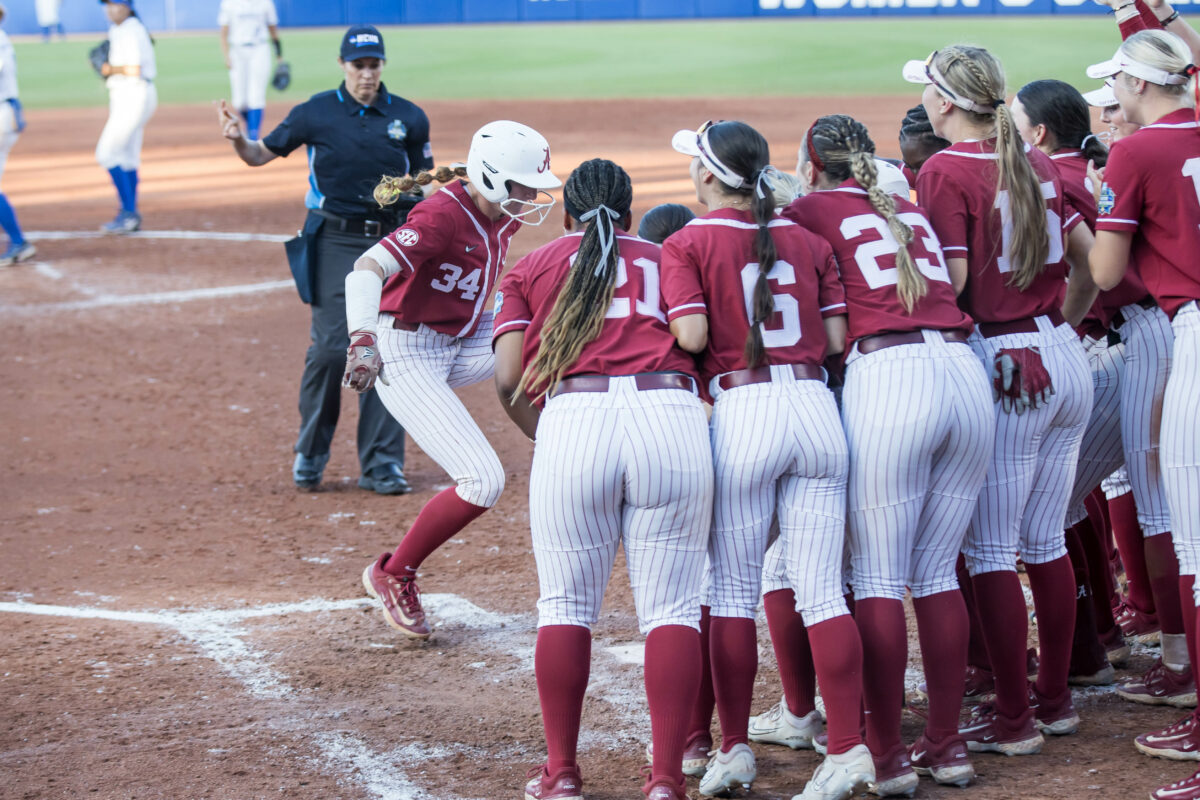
132,98
11,125
246,26
48,19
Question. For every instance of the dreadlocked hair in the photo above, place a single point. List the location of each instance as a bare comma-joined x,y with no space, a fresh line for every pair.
745,151
845,148
1061,108
390,187
976,74
601,189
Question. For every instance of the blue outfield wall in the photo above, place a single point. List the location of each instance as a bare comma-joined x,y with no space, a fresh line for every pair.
166,15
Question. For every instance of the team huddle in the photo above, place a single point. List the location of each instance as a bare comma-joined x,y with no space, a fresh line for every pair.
906,397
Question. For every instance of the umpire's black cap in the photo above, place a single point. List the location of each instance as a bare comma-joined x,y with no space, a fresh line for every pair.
362,41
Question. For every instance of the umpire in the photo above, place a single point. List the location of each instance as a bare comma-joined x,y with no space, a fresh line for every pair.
354,134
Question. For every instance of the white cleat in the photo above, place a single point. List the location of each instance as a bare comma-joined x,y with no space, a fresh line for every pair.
727,771
777,725
841,777
819,702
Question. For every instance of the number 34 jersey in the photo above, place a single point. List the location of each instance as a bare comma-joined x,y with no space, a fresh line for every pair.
866,253
442,263
634,337
709,267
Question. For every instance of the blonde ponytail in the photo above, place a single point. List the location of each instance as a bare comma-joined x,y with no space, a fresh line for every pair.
390,187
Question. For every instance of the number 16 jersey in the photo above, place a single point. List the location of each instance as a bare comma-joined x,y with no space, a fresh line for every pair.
708,267
441,265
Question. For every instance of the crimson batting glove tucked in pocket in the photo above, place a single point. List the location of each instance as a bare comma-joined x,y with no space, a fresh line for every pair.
1020,380
363,363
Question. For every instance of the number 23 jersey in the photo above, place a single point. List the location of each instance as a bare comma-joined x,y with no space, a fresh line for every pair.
441,265
708,268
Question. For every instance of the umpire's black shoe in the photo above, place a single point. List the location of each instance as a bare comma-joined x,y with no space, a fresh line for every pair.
385,479
307,471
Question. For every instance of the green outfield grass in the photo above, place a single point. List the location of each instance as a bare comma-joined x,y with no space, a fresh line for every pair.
635,59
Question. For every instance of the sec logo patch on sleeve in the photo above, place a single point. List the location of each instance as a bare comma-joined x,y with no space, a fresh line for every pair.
407,237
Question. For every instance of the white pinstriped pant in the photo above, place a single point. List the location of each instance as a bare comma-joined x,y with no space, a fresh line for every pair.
778,449
622,466
1148,345
1116,484
1101,453
423,368
1180,451
920,426
1023,504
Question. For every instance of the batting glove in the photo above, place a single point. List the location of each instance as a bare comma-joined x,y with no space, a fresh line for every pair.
1020,380
363,363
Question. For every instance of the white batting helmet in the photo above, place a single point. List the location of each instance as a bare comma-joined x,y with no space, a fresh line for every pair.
504,152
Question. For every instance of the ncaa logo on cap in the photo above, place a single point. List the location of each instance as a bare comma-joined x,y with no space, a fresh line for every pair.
362,41
359,39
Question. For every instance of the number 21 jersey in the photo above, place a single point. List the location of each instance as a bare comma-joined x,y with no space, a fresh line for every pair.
442,264
708,267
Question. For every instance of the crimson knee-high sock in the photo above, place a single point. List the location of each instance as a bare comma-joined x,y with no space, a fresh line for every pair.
942,630
1128,533
1163,567
976,647
1087,653
561,661
442,517
1001,607
672,679
792,653
1101,582
702,711
838,657
1187,600
885,656
733,651
1053,588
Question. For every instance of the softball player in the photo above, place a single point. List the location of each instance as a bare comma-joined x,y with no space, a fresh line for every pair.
48,18
12,122
918,462
580,326
758,297
1150,211
427,332
246,26
132,98
1013,265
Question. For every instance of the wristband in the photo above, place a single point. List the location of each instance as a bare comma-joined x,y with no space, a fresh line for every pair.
278,48
1165,22
364,288
1125,12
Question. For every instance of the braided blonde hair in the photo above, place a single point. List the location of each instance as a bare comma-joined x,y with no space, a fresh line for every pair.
845,150
390,187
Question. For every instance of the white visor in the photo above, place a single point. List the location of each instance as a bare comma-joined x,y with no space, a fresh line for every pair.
891,179
1123,63
1102,97
925,72
694,144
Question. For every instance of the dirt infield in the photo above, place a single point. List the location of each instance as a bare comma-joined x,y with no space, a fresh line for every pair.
177,621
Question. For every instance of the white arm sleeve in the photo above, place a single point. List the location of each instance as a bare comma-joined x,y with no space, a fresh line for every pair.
384,258
363,291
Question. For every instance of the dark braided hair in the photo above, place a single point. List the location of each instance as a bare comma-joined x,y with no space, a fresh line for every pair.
845,149
661,221
745,151
578,312
1061,108
916,131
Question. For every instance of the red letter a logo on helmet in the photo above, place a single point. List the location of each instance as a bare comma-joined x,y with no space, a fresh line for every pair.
545,167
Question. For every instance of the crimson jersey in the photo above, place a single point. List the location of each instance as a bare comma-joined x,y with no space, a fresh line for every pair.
1152,190
444,261
957,188
635,337
708,268
866,257
1077,186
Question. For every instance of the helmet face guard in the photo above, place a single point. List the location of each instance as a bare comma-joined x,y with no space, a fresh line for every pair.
505,153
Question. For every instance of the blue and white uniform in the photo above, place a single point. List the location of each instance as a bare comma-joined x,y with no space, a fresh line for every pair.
11,124
132,100
247,25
